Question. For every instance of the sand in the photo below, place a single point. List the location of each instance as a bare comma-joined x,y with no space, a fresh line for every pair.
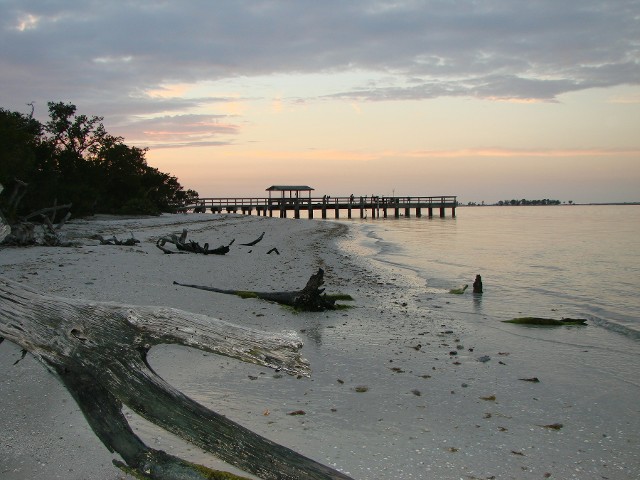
396,391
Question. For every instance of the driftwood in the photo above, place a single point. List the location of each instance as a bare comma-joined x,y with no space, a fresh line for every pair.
52,211
477,284
19,189
22,232
51,238
251,244
4,228
310,298
114,241
190,247
99,351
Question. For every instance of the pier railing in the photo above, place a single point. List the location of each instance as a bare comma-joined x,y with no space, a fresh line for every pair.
377,206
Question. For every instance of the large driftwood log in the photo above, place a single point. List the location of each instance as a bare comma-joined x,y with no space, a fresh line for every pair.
99,352
22,232
190,247
4,228
4,225
310,298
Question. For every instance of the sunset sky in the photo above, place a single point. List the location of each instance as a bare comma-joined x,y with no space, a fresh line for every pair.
487,100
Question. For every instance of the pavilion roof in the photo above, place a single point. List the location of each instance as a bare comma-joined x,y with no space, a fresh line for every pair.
289,188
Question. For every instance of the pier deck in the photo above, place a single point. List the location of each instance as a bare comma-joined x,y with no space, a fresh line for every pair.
372,206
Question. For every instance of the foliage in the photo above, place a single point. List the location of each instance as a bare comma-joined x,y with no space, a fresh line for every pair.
524,201
73,159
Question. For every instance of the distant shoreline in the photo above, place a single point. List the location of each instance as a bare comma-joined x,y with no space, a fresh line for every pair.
561,205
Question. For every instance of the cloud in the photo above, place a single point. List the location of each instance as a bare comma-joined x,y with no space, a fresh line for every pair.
177,131
497,152
106,57
498,87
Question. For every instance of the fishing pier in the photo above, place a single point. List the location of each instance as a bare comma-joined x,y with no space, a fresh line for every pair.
296,200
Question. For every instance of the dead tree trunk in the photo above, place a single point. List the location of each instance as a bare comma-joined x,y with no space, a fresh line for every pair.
22,231
99,352
129,242
310,298
183,246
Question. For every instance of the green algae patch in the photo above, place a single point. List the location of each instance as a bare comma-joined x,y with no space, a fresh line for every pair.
246,294
546,322
458,291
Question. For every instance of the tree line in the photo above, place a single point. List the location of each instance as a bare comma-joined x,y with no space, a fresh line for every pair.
524,201
72,159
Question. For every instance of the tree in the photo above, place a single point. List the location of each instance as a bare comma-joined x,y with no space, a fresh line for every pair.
73,159
21,138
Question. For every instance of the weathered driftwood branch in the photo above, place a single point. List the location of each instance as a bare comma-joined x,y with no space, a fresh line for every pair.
21,231
4,228
51,237
21,234
19,189
4,225
24,233
114,241
251,244
190,247
99,352
52,209
310,298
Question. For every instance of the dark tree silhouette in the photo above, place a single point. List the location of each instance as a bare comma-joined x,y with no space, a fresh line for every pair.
72,159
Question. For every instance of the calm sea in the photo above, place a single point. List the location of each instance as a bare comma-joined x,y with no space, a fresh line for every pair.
557,262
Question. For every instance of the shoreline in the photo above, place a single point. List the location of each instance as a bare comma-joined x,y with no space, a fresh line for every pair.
137,275
387,398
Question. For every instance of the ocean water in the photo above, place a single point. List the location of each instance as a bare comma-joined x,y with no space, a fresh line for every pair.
582,260
573,261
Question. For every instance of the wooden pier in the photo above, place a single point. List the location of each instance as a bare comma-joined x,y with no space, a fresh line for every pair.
309,207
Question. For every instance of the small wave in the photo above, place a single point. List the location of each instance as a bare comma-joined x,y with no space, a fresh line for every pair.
372,233
615,327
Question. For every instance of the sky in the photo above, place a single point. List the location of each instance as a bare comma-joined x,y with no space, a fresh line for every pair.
487,100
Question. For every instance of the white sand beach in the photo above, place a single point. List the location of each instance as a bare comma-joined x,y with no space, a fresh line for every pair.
428,408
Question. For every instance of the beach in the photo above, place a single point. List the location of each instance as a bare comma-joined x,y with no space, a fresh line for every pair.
401,385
